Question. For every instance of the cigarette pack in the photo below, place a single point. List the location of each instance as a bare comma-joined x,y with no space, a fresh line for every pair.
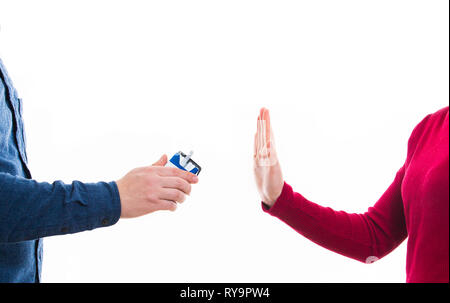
184,162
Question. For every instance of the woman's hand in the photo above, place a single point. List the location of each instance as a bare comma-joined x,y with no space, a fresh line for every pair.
268,176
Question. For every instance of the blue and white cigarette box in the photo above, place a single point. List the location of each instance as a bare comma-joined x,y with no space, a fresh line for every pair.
184,162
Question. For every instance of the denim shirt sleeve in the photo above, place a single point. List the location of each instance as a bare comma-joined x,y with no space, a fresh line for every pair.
31,210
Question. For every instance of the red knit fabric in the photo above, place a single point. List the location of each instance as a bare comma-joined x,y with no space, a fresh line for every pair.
416,205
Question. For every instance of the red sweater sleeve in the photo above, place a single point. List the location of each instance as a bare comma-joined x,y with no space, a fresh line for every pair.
365,237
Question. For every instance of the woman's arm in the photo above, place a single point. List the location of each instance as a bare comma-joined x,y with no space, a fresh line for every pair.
365,237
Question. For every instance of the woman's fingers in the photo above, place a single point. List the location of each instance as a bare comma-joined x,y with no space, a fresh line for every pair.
265,145
260,142
259,138
264,151
255,146
267,130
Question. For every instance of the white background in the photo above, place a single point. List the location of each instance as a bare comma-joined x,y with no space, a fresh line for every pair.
112,85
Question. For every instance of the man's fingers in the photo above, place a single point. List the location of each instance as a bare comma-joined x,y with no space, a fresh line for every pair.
168,205
161,162
171,194
176,172
177,183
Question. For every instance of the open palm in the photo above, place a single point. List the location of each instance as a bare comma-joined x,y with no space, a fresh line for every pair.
267,169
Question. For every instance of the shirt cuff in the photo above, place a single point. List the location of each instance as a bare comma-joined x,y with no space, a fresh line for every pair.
100,207
283,200
105,199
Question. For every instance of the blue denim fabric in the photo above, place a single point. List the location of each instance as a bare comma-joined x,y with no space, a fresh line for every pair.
31,210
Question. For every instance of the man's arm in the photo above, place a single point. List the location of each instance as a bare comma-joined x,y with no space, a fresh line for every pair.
31,210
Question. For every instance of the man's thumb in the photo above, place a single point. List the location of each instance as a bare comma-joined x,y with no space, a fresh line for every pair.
161,162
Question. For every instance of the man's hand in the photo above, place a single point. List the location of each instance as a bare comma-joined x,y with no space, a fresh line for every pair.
269,179
148,189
